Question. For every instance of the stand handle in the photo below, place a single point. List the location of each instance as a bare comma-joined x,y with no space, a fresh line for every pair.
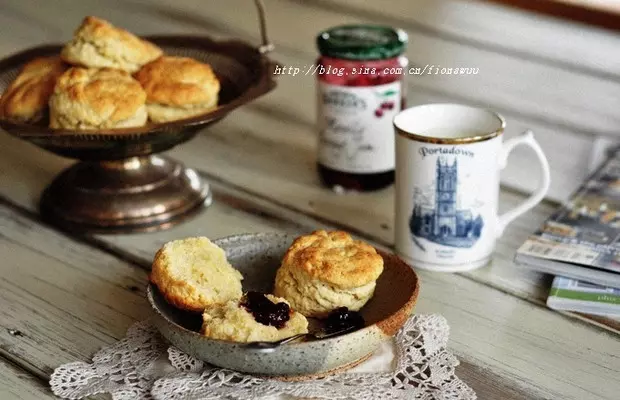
266,46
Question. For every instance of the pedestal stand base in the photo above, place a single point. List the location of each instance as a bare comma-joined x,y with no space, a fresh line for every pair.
133,195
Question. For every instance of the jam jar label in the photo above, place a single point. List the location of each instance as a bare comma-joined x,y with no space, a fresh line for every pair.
355,125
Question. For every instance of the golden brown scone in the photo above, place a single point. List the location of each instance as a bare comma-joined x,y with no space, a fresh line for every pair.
98,44
178,87
231,321
326,270
26,98
193,273
97,98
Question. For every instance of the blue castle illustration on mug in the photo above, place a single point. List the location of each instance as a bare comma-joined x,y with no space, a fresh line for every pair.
442,222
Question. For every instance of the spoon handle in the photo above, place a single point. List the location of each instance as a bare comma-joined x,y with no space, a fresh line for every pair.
268,347
292,338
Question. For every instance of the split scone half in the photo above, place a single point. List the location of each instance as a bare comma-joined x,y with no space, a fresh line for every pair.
98,44
323,271
255,317
97,99
193,274
26,98
178,87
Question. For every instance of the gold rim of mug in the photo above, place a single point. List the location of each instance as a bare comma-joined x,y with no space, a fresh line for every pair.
462,140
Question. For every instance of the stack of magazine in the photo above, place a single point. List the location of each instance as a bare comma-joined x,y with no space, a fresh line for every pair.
580,244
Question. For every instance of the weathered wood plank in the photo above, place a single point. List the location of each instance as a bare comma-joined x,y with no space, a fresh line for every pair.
498,335
542,92
68,299
288,180
293,186
500,29
566,146
603,13
74,301
17,384
473,23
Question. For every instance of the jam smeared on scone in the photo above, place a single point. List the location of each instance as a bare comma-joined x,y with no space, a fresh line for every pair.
253,318
266,312
342,319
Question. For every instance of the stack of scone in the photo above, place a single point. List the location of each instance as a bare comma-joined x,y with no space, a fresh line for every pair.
26,98
322,274
90,86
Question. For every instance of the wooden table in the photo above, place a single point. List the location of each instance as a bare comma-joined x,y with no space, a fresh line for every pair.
603,13
62,297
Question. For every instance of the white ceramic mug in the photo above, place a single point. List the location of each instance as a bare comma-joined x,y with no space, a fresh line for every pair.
448,162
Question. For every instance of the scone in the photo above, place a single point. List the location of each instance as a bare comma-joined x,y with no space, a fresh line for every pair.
26,98
236,321
178,87
98,44
97,98
193,273
326,270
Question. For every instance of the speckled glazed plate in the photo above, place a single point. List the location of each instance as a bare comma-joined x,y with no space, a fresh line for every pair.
258,257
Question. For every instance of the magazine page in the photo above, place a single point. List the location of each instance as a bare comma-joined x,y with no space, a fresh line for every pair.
586,230
575,295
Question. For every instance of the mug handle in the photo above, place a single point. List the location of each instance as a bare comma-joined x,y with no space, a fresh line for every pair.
526,139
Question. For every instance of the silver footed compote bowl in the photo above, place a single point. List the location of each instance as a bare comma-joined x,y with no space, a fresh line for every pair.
121,183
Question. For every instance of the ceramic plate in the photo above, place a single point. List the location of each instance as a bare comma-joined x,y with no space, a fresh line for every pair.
257,257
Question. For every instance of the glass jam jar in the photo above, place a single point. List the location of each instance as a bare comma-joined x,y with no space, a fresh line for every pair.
361,88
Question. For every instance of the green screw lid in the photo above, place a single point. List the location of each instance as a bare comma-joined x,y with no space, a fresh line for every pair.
362,42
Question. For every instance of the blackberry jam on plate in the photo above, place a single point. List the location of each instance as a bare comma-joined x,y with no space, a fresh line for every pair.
342,319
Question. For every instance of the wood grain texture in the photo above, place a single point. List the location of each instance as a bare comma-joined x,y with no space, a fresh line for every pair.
289,181
17,384
605,14
501,29
143,246
83,298
68,298
567,145
505,82
490,383
252,135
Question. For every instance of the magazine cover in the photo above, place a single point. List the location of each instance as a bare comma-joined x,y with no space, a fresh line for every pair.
574,295
583,232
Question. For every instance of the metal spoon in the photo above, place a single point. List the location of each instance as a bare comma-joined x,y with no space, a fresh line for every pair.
268,347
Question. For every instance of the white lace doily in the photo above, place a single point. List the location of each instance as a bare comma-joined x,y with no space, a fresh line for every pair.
142,366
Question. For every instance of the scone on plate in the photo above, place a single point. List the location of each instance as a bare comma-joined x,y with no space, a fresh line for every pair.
255,317
193,273
98,44
26,98
178,87
97,98
327,270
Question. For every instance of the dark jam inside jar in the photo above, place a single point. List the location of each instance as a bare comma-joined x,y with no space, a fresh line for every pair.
364,182
342,319
361,88
265,311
